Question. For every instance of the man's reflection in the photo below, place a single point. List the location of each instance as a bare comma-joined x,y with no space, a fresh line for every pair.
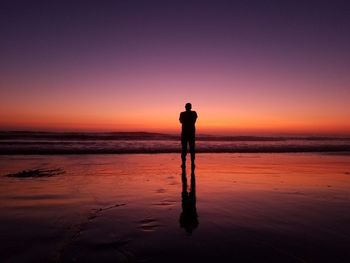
189,217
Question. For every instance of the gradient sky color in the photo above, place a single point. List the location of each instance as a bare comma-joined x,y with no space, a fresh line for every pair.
248,67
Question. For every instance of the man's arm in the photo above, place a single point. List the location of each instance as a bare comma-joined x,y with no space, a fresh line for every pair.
181,117
195,116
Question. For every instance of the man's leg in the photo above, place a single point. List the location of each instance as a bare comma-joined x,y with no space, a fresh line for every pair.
184,149
192,149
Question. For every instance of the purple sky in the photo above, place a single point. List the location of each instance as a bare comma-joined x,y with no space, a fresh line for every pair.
279,66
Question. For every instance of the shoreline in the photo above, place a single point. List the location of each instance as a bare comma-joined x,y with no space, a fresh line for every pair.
340,150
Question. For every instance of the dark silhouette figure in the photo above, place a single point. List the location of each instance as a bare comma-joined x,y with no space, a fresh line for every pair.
188,134
189,216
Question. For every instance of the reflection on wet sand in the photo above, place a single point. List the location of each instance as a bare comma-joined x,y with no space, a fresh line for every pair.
189,216
127,208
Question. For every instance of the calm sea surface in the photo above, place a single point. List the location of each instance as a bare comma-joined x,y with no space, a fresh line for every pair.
88,143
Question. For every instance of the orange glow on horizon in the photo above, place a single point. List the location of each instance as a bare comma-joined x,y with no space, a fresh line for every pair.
162,123
137,114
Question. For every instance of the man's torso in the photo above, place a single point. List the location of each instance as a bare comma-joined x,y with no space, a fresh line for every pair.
188,120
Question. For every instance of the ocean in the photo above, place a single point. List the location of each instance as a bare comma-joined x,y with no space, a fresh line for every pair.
24,142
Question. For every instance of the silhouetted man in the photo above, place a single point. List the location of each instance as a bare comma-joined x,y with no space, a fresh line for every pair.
188,135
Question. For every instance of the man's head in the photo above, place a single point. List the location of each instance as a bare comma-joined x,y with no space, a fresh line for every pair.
188,106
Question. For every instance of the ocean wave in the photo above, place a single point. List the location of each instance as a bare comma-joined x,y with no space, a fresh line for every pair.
141,142
165,147
131,136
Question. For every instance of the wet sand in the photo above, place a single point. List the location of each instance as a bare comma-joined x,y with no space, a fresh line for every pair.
145,208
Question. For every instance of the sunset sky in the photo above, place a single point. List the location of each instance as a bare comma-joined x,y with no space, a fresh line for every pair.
247,67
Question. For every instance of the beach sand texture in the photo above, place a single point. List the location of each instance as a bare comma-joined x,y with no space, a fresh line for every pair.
137,208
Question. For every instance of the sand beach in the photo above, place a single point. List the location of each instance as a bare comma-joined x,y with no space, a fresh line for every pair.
251,207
